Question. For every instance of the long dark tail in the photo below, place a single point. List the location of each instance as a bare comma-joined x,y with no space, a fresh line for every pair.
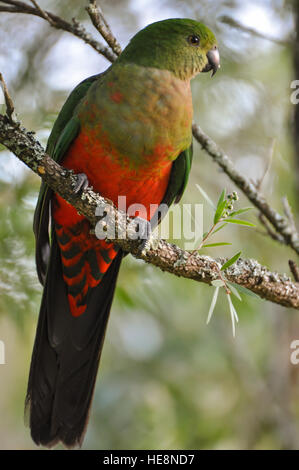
66,356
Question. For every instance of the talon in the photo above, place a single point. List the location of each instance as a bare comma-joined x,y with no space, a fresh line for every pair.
81,183
144,247
151,243
141,230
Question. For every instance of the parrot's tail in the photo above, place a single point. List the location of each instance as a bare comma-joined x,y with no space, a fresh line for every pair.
66,356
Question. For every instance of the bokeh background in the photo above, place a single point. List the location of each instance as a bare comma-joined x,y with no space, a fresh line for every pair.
166,380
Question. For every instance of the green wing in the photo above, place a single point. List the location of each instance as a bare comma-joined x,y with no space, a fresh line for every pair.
178,180
67,111
179,176
64,131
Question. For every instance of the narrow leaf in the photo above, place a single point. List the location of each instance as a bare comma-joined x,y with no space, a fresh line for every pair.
233,314
219,211
241,211
213,303
221,198
240,222
210,245
234,291
245,291
219,228
231,261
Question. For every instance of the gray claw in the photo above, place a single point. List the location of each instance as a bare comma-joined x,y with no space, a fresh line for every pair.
81,183
151,243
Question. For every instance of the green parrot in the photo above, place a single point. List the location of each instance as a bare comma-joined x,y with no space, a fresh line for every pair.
127,132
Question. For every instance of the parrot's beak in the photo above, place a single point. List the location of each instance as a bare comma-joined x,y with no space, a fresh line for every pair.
213,61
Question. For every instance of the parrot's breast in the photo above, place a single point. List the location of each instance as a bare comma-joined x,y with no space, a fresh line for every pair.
136,110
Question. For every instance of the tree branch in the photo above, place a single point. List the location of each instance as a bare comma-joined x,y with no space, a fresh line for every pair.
236,24
8,101
75,28
168,257
101,25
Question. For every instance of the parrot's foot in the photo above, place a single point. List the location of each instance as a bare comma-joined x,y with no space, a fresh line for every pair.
143,232
81,183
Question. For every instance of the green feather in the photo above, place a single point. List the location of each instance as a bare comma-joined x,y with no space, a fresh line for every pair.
67,111
66,137
177,183
179,177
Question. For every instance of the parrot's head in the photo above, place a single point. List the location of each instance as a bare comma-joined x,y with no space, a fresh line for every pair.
184,47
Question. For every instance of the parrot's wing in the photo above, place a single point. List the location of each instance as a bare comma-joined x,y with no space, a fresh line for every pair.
64,131
178,177
177,181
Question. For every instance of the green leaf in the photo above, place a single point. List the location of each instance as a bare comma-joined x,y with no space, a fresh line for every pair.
213,304
219,211
231,261
233,314
219,228
210,245
221,199
239,222
241,211
221,204
245,291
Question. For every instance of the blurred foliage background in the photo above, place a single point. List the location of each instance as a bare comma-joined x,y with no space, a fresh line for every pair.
166,380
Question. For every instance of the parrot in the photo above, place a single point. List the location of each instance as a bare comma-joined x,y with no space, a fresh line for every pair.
126,132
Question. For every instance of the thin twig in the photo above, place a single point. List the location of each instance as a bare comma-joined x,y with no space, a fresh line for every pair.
43,13
269,231
235,24
100,23
294,269
260,181
75,28
8,101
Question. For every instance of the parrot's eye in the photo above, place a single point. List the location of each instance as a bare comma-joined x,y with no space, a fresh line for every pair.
193,40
